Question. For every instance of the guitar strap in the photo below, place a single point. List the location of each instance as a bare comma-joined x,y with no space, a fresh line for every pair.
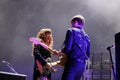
79,45
81,50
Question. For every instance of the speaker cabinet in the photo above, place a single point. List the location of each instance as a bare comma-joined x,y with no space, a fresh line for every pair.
11,76
117,55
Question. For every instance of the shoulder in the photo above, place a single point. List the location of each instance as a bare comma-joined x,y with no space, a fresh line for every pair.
37,46
73,29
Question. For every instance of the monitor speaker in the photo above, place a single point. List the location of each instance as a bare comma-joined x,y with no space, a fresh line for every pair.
117,55
11,76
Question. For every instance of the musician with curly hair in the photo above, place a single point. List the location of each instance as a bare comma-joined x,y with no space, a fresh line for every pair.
41,54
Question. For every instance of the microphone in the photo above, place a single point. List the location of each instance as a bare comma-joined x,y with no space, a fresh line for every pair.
6,62
10,66
109,47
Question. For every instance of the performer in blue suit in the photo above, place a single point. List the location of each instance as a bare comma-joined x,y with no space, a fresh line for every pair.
77,49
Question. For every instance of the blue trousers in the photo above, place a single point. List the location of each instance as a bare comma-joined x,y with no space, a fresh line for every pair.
73,70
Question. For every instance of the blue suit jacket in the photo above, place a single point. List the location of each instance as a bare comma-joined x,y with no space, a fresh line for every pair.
76,44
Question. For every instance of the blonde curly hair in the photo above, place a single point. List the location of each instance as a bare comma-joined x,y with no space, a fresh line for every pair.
42,34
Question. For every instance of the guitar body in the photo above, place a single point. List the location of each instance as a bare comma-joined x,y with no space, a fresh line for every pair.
63,60
44,70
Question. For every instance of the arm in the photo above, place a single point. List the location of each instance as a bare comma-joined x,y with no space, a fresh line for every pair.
68,42
38,56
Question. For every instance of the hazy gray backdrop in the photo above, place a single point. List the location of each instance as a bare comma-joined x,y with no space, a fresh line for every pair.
21,19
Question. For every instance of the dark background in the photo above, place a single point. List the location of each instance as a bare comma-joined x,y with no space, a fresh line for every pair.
21,19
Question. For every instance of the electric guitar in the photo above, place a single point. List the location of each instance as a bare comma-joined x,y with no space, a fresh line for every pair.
44,70
63,57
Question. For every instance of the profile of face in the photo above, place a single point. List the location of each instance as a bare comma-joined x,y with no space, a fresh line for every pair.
76,24
48,39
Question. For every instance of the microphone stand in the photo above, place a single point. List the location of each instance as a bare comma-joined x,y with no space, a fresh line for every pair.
10,66
113,69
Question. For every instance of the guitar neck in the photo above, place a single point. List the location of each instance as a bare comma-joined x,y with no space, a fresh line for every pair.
51,50
37,41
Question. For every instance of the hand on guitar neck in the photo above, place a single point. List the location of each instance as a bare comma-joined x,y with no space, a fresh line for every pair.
58,53
62,57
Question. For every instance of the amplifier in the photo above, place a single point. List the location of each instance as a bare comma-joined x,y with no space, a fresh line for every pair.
11,76
117,53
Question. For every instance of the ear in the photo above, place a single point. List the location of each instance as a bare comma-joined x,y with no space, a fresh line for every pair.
76,23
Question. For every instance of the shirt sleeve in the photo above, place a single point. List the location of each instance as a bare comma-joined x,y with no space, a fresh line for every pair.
68,42
38,56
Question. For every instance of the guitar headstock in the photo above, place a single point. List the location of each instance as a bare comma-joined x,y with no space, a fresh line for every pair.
34,40
37,41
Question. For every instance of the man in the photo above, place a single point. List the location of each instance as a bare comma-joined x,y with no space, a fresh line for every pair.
76,48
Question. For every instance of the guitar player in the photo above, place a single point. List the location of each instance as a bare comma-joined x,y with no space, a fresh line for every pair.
76,48
41,66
